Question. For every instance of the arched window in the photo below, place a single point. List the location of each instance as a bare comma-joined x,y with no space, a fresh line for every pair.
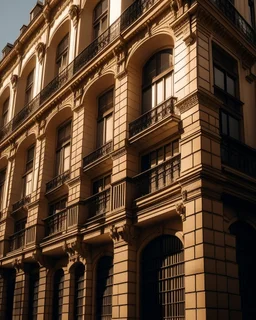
62,54
100,18
157,83
104,288
58,288
246,260
33,293
162,280
79,292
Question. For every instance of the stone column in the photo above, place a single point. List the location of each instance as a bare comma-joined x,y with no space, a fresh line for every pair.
124,276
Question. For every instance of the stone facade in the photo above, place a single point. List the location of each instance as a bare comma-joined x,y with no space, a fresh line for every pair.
128,163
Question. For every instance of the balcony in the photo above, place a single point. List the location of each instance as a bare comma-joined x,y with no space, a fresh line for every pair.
127,18
238,156
236,19
158,120
17,240
99,204
98,155
157,178
57,181
64,219
21,203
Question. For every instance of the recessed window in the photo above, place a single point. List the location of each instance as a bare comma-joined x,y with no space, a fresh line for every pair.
29,87
79,291
230,125
58,290
33,293
63,149
62,54
100,18
5,112
28,176
2,181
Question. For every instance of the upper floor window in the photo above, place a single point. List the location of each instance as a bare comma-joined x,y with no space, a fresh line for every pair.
29,87
2,180
63,148
157,83
28,175
251,12
5,112
105,118
100,18
62,54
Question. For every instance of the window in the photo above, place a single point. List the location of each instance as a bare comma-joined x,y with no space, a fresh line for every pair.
63,149
79,292
157,80
251,12
161,168
58,288
33,293
5,112
29,87
105,118
62,54
101,188
2,180
230,125
162,279
100,18
57,216
28,176
9,276
104,288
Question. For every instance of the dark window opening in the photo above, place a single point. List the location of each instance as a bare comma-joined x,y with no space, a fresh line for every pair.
58,288
79,292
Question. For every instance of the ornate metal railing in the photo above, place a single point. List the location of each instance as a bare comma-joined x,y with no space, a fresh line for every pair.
22,202
152,116
57,181
98,204
97,154
238,156
235,17
130,15
158,177
17,240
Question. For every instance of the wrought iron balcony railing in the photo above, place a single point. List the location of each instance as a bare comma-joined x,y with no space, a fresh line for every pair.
158,177
97,154
130,15
152,116
98,204
17,240
62,220
22,202
235,17
238,156
57,181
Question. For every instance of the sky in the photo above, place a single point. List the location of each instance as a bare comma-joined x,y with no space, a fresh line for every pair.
13,14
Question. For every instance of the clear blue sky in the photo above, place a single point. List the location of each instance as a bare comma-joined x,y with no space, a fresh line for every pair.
13,14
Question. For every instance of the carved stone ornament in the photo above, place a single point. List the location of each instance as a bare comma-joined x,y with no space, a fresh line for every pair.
175,5
14,80
18,264
77,252
126,233
181,210
40,51
42,260
74,13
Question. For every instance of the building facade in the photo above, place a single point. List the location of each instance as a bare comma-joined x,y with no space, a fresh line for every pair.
128,162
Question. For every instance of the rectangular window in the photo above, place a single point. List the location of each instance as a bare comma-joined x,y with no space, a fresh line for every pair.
5,112
28,176
62,54
230,125
100,18
2,181
29,87
101,188
63,149
251,12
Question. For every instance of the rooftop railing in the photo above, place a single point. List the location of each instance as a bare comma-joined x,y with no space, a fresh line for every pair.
235,17
130,15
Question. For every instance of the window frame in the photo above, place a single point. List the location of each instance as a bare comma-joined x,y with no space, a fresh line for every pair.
29,168
29,86
98,20
2,186
60,65
5,112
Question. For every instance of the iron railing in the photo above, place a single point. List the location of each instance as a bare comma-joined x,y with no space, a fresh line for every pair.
130,15
98,153
17,240
238,156
235,17
22,202
158,177
152,116
98,204
62,220
57,181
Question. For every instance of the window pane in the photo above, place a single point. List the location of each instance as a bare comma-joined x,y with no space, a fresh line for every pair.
109,128
175,147
168,86
100,138
104,23
219,78
224,123
164,61
231,86
160,155
234,128
160,92
28,184
147,100
66,164
168,151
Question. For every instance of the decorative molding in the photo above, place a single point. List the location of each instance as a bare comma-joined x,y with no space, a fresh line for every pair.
181,210
74,14
40,51
42,260
14,81
125,232
77,251
18,264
